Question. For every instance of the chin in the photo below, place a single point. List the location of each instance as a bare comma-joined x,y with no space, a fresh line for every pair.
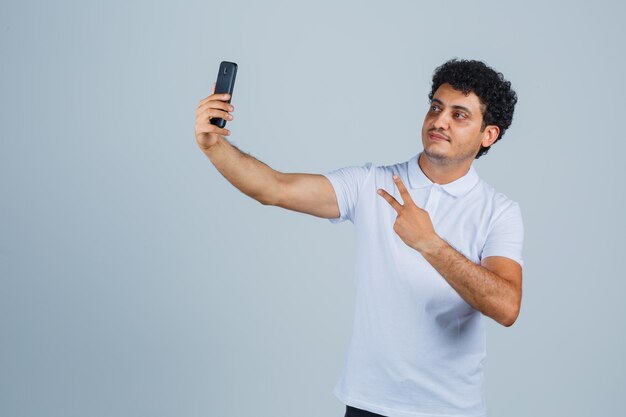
434,154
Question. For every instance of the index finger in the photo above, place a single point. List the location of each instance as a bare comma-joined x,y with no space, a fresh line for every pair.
221,97
406,197
391,200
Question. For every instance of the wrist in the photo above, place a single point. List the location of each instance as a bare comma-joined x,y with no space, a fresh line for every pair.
433,246
211,148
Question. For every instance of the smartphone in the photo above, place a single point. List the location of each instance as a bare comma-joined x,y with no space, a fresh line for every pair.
225,85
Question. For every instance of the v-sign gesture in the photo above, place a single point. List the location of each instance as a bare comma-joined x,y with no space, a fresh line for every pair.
413,224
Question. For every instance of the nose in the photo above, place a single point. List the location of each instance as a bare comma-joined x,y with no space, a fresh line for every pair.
441,121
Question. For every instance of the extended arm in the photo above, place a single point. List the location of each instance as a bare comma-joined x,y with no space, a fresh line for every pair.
307,193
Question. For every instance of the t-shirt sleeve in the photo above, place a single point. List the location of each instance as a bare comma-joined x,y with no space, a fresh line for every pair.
506,236
346,182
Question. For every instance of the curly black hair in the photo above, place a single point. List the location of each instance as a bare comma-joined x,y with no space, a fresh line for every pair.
496,96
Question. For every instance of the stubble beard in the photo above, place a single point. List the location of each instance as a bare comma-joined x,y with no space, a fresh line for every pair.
442,159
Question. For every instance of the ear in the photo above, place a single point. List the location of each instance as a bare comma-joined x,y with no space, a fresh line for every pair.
490,135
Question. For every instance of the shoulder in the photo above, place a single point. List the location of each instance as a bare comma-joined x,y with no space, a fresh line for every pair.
398,168
504,213
496,199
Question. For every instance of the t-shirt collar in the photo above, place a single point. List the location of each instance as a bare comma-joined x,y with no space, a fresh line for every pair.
457,188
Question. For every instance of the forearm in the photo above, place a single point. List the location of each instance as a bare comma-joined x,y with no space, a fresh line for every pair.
251,176
482,289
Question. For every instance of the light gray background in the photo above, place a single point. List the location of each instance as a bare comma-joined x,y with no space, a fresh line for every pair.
136,281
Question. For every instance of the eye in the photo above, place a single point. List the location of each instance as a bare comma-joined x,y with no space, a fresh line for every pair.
434,107
459,115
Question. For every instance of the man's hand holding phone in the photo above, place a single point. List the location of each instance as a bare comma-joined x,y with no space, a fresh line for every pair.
213,106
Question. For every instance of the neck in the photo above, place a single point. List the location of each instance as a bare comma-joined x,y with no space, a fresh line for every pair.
442,174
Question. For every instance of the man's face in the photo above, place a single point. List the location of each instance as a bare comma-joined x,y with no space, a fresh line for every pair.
452,126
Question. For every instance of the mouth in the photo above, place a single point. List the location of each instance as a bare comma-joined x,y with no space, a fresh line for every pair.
437,137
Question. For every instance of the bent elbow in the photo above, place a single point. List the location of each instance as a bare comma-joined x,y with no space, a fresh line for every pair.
511,319
508,323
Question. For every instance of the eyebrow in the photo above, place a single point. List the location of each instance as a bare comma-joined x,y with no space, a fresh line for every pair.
465,109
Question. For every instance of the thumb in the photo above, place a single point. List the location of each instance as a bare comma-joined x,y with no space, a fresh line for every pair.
213,90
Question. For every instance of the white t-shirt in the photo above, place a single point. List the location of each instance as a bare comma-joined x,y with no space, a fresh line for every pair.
417,348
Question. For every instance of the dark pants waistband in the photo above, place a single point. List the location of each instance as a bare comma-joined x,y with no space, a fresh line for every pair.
357,412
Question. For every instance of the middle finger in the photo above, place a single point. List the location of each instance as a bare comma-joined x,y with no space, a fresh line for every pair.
216,104
217,113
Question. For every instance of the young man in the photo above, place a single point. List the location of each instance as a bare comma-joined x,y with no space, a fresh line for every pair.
437,248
